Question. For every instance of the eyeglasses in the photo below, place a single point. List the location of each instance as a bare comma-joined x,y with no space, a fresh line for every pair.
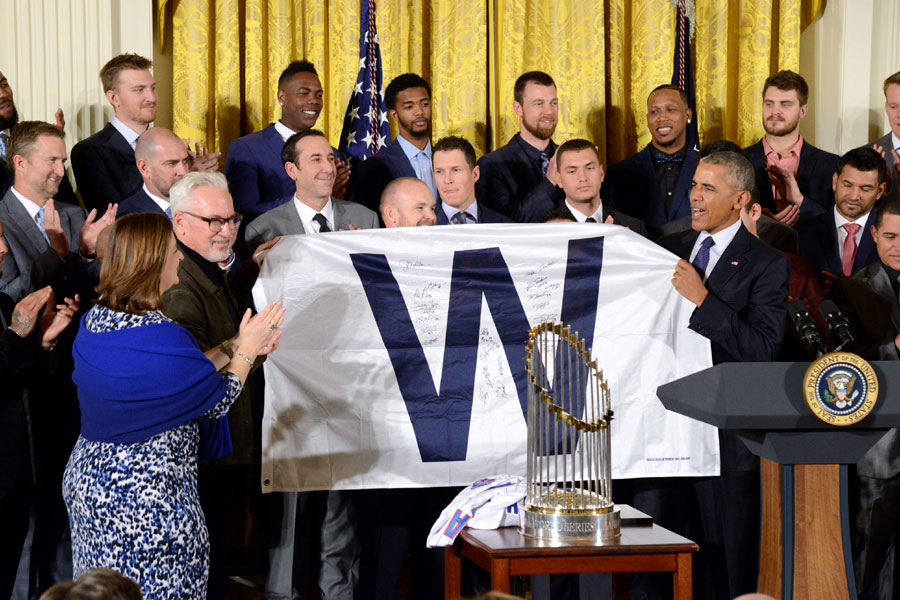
216,224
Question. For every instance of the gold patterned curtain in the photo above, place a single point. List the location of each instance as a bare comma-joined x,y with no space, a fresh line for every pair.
605,55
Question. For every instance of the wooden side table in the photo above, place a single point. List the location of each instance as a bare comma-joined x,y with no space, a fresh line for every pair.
506,552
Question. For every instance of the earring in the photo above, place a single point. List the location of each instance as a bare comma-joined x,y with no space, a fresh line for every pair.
689,121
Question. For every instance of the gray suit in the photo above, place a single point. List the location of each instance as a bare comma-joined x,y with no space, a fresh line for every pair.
339,570
30,263
886,144
284,220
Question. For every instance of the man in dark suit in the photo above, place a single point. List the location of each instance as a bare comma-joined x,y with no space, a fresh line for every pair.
408,100
838,241
20,355
889,144
739,286
255,172
9,116
580,175
518,180
162,159
455,175
792,175
869,300
654,184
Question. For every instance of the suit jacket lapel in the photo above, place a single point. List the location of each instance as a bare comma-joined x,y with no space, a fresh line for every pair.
681,203
826,232
273,140
398,160
22,221
757,157
731,261
655,209
808,160
881,285
294,223
118,141
866,244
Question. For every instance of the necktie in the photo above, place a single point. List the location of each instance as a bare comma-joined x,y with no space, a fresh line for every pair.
462,217
849,254
545,163
40,223
323,223
701,261
169,212
590,220
3,138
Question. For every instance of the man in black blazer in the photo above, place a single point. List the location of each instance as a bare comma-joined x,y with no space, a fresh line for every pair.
455,176
580,174
518,180
792,175
739,286
408,100
869,301
838,241
162,159
889,144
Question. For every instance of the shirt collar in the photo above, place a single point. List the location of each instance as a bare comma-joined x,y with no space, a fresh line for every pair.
656,154
307,213
30,206
895,141
581,217
795,149
283,130
840,220
127,132
160,202
533,152
722,238
411,151
472,209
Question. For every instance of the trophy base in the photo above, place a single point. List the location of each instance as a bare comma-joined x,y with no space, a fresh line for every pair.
566,529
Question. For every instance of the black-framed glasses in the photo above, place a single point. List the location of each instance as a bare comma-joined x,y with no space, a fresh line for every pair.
216,224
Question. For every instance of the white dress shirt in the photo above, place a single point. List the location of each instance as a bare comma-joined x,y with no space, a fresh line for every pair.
307,213
284,131
722,238
130,135
839,222
581,217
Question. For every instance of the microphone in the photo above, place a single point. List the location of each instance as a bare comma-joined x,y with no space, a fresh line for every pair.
806,325
837,323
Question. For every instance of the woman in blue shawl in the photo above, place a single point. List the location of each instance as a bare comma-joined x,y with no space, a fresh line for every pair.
150,401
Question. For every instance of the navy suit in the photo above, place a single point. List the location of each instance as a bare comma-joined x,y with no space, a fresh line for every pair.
814,175
511,183
139,202
485,215
819,245
743,317
631,187
256,175
105,169
374,173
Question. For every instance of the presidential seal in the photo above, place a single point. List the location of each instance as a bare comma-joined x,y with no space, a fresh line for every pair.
840,388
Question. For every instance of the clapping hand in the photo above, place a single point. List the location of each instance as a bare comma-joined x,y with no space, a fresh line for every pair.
91,229
55,321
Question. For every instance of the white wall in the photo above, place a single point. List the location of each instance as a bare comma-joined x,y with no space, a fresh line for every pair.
845,57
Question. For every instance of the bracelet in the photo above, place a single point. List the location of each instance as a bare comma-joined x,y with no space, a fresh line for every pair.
51,347
227,349
239,355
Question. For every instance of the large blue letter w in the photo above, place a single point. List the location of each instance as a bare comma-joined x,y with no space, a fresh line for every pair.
441,420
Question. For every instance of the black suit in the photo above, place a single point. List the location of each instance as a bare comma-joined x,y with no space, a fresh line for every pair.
105,169
819,244
743,317
17,355
870,303
138,202
814,175
631,186
511,183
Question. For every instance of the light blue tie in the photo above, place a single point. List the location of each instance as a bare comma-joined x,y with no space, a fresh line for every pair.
169,212
40,222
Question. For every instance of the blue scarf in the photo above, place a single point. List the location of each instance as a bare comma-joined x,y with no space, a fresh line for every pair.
138,382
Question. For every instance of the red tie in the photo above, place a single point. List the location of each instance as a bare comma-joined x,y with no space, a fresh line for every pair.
849,247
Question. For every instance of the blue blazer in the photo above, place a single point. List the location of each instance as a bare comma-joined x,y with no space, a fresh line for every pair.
485,215
630,186
372,175
743,315
105,169
814,175
139,202
511,184
255,173
819,244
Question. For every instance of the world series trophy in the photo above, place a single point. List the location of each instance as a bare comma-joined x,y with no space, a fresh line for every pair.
569,483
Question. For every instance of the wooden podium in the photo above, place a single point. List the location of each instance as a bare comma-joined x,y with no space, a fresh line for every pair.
805,545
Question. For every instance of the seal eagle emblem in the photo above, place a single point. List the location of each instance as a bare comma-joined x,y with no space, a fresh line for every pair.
840,388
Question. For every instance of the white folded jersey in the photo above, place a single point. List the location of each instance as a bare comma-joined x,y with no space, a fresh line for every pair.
488,503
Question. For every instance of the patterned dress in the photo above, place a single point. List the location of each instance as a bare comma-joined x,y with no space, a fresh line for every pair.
134,507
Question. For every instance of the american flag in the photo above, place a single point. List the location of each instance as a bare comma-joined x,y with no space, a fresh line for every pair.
366,128
682,70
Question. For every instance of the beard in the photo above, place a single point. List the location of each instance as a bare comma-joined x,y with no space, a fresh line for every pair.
541,133
10,122
779,128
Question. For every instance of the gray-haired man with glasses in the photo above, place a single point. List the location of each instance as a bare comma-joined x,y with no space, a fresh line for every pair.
209,302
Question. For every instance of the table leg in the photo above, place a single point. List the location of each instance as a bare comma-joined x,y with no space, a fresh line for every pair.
500,575
452,573
681,578
620,586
